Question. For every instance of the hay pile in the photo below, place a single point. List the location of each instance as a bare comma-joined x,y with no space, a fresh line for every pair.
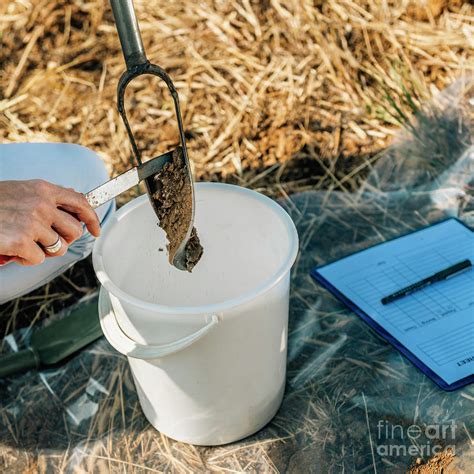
259,81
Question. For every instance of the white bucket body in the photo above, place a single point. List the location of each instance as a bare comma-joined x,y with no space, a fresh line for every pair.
208,349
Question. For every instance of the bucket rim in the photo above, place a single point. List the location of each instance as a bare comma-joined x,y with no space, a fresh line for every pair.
222,306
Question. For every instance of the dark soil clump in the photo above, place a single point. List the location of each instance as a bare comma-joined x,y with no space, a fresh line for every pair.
172,193
193,250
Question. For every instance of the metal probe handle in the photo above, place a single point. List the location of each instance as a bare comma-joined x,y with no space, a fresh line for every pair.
129,32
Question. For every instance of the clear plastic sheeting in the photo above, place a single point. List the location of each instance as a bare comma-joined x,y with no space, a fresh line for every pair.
353,403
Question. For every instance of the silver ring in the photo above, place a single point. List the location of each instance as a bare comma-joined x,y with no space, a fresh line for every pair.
55,248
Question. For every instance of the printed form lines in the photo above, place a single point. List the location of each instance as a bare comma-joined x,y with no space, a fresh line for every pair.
450,346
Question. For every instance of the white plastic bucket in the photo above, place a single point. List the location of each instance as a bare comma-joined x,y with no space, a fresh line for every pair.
207,349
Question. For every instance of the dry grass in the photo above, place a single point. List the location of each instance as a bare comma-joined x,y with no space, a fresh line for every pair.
260,82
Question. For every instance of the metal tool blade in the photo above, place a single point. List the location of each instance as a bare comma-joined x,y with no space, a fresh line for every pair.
154,165
107,191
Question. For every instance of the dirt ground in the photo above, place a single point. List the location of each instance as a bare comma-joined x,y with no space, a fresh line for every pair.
440,463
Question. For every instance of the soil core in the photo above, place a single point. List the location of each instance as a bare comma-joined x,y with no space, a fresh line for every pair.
435,465
172,194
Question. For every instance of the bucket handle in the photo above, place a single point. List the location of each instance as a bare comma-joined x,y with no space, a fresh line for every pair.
127,346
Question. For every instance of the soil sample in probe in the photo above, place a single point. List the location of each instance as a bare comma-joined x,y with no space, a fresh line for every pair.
172,193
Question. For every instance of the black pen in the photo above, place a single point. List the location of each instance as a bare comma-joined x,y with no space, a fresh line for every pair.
449,272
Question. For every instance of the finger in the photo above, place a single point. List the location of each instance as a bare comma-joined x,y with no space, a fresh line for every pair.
31,254
46,236
67,226
64,248
76,203
20,244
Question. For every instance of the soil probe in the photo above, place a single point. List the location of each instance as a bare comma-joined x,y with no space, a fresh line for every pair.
138,65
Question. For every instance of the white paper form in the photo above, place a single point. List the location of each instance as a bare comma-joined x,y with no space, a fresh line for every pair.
436,324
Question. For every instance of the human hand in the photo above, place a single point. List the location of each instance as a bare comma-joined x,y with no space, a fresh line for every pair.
35,213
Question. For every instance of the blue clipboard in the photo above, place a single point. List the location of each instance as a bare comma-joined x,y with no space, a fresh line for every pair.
381,331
